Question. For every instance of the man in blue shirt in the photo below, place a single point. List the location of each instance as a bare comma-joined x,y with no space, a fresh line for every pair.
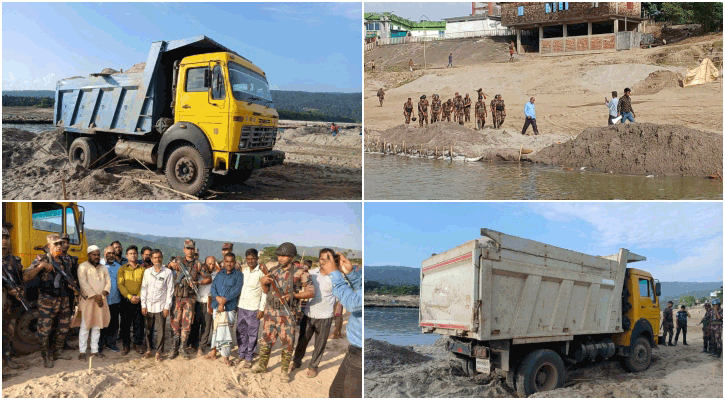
346,286
109,334
225,291
530,113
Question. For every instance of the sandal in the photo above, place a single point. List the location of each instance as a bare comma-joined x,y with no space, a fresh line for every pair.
312,372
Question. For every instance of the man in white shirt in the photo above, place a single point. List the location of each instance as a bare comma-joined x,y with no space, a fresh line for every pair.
317,318
250,309
613,116
157,290
203,321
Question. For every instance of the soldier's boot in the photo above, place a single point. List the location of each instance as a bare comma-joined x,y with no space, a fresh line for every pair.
176,342
58,351
47,357
264,352
284,372
9,363
704,346
185,351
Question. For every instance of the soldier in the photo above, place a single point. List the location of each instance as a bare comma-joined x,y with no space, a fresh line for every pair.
455,107
185,291
706,327
73,262
498,111
50,273
293,285
408,110
682,316
13,291
381,94
668,323
480,114
423,111
435,108
716,329
447,110
467,108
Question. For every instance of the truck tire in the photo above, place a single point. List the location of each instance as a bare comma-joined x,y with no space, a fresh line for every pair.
187,172
639,357
540,371
83,151
26,334
468,364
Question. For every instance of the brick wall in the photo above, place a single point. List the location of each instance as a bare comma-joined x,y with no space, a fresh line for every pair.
577,43
536,12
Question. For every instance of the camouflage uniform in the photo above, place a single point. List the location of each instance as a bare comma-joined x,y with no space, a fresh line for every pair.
12,308
467,108
435,109
715,332
422,111
458,103
184,301
497,112
407,110
54,300
480,114
381,95
709,314
668,324
447,109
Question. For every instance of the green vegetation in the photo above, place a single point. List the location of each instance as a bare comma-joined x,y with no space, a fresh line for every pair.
687,300
707,14
17,101
373,287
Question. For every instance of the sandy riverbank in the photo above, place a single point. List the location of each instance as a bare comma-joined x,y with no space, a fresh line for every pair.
386,300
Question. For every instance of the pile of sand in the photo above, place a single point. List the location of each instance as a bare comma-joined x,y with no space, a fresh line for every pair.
33,166
642,148
488,143
379,354
657,81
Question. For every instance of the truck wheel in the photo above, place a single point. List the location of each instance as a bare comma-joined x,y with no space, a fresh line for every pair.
187,172
83,151
26,334
540,371
640,357
468,364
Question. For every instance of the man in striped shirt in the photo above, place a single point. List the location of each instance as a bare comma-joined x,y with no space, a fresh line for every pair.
624,107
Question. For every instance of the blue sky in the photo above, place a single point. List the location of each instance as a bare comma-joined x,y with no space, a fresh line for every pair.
415,11
681,240
301,46
337,224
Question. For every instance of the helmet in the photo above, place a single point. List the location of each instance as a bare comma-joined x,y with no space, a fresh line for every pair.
286,249
5,231
715,301
422,97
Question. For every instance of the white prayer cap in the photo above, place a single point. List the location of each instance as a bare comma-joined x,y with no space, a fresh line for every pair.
93,248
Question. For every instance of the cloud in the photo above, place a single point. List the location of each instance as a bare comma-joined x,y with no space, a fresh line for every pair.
703,264
46,82
197,210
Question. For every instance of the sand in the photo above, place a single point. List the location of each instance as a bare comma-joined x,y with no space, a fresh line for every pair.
318,166
431,371
131,376
643,148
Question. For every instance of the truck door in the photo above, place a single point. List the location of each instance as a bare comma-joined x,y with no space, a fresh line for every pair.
203,101
648,304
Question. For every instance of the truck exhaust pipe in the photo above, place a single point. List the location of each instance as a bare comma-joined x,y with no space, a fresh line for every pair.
142,151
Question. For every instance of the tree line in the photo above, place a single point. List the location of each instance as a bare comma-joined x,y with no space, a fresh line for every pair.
707,14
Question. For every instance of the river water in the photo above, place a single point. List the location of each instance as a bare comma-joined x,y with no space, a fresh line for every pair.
403,178
397,326
35,128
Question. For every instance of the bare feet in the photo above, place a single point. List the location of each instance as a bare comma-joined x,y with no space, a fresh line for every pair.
225,361
211,355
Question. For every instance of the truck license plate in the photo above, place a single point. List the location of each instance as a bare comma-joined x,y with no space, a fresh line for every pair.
483,365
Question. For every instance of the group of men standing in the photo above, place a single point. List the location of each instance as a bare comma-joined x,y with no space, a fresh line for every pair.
458,108
711,326
209,303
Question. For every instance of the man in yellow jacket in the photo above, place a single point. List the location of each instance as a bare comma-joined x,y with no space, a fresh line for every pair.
130,277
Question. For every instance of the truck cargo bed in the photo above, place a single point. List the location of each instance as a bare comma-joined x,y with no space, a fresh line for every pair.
506,287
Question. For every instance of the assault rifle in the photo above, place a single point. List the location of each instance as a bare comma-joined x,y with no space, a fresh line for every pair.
10,283
275,288
68,280
187,275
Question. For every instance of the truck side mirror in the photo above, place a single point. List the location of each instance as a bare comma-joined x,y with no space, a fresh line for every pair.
207,78
658,289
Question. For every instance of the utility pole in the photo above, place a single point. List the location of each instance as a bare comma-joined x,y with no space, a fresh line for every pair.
425,61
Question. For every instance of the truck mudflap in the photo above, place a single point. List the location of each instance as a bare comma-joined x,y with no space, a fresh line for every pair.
256,160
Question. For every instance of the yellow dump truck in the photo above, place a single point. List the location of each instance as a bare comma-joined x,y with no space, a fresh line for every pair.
195,109
29,224
530,309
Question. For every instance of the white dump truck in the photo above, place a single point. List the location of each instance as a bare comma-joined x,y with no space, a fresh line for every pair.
528,309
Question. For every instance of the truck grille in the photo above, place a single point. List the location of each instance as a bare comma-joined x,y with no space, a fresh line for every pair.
255,137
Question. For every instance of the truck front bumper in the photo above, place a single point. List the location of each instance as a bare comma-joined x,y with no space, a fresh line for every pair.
256,160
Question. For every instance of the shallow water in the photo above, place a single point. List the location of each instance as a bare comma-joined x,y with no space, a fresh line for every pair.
403,178
397,326
35,128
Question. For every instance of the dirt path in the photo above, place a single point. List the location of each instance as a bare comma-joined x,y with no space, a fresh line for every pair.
131,376
431,371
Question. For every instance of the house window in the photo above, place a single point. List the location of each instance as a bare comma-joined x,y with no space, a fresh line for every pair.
373,26
441,34
521,10
630,5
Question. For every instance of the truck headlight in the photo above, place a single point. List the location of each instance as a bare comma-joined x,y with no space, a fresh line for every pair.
242,144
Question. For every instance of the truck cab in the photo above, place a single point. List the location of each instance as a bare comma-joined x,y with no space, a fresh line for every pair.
29,224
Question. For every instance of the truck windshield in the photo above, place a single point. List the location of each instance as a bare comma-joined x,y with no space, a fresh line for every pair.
249,86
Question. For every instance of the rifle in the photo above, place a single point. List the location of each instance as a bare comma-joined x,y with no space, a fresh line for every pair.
187,276
10,283
68,280
275,288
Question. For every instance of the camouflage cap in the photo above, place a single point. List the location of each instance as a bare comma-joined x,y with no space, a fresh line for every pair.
65,237
52,238
228,246
6,232
189,244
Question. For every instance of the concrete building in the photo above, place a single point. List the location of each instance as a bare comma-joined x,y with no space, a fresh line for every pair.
563,27
388,25
472,23
490,9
